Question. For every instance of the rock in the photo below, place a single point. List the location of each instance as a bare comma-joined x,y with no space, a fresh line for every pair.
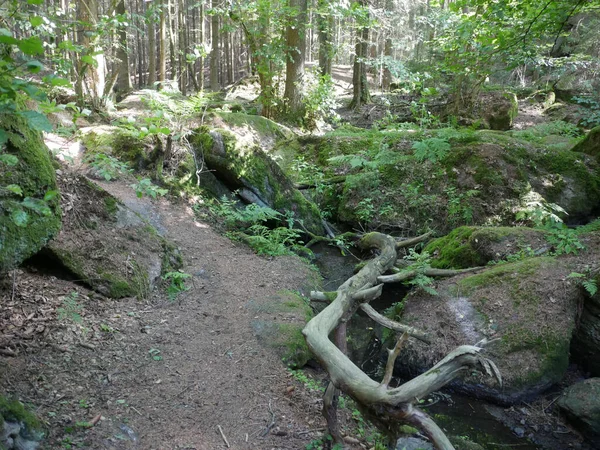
586,342
499,109
257,177
468,247
19,428
590,145
520,432
581,404
413,443
30,219
530,305
108,246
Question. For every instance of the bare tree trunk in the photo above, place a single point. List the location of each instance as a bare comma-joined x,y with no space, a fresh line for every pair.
296,45
162,49
387,51
124,78
361,95
90,76
152,45
325,25
214,54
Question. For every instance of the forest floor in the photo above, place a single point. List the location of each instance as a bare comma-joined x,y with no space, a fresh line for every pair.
212,375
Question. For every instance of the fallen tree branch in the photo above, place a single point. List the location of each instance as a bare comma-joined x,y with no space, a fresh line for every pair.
392,356
396,403
333,180
413,241
403,274
393,325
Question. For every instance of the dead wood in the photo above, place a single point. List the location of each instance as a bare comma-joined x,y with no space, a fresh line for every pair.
393,404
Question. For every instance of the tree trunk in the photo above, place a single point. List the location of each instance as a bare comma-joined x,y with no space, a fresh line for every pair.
151,45
123,85
214,54
387,51
361,95
90,75
162,51
296,45
325,25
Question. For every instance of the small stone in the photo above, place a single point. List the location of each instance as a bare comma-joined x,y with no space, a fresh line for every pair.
519,431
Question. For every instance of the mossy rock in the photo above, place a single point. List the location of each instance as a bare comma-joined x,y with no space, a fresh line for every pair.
255,174
500,110
585,347
581,404
34,174
531,305
468,246
121,143
110,247
279,323
590,145
26,430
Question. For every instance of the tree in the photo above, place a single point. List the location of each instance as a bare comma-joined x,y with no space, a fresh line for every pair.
91,64
361,95
296,54
214,53
325,25
124,78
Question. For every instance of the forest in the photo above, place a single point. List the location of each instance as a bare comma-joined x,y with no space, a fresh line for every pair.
300,224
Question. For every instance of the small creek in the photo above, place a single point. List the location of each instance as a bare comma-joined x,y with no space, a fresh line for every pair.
459,415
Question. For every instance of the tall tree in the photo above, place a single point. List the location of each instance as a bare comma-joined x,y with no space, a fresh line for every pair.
296,54
325,25
124,77
361,94
214,53
151,17
91,65
162,44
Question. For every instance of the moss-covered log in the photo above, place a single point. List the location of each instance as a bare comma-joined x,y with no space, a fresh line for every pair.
387,404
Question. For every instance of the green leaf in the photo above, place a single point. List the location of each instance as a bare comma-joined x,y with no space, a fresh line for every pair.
50,195
35,2
31,46
88,59
19,217
15,189
9,160
3,137
37,205
8,40
37,120
34,66
36,21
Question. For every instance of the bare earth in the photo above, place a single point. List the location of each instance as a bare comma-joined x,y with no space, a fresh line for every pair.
211,380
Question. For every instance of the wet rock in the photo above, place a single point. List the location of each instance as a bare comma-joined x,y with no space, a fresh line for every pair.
581,404
534,321
29,198
413,443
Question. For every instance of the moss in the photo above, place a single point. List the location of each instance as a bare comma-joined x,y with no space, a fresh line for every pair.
454,250
590,145
35,175
111,205
15,411
287,339
504,273
590,227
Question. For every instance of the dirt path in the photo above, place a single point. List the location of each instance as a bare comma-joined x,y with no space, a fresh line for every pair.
210,370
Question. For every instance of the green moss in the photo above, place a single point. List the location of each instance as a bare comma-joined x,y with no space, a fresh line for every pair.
14,410
504,274
111,205
296,352
454,250
590,227
35,175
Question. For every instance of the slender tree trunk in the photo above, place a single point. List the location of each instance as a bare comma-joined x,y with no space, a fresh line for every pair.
387,50
361,95
152,46
124,78
296,44
162,51
214,54
90,76
325,25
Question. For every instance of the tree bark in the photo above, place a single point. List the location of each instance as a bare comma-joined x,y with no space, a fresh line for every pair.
214,54
123,85
361,95
162,51
151,45
296,54
325,26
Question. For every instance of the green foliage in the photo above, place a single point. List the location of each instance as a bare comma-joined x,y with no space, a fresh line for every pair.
176,280
307,381
537,211
588,282
431,149
145,187
155,355
555,128
319,101
70,309
420,262
459,206
107,167
564,240
592,118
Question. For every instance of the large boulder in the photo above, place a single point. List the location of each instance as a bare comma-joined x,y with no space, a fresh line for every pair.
586,342
476,246
590,145
581,404
530,305
255,175
499,110
31,217
107,245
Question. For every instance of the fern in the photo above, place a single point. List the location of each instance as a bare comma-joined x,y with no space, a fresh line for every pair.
591,286
432,149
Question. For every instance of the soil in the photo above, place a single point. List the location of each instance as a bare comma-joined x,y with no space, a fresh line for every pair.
160,374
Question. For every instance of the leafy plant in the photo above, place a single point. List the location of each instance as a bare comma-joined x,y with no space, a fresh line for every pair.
459,207
420,262
155,354
365,210
107,167
145,186
176,283
70,308
310,383
564,239
588,282
431,149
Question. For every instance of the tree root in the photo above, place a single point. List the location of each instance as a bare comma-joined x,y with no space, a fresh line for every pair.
395,403
403,275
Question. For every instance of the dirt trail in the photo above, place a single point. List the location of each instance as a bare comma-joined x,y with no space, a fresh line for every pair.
212,371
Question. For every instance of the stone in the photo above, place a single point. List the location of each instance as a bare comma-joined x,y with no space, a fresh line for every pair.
581,404
500,110
28,221
590,145
586,342
413,443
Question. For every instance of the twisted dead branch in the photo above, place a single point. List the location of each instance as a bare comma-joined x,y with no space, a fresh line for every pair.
390,405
